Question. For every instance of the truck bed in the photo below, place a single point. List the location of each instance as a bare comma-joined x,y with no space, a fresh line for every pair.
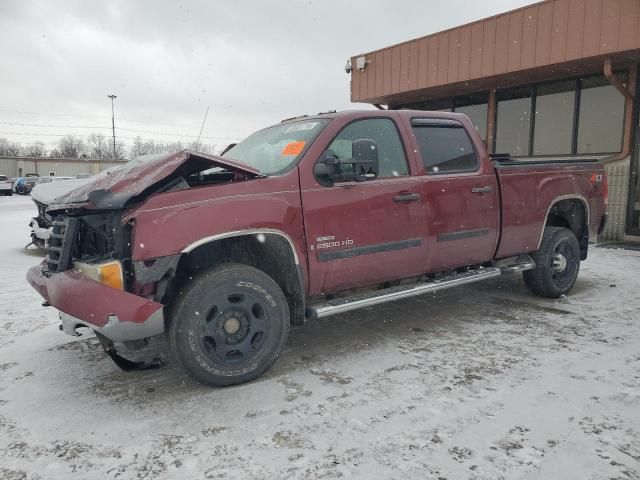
529,189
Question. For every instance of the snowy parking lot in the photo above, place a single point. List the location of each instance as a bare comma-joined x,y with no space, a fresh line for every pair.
483,381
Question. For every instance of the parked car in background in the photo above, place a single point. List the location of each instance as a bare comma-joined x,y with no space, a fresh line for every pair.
6,188
24,185
53,179
43,195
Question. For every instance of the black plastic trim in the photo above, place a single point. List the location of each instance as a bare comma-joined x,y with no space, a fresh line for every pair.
366,250
445,237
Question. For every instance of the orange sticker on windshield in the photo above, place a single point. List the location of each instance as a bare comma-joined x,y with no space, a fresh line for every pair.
293,148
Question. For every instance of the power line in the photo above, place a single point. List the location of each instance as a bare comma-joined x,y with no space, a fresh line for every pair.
103,128
144,122
32,134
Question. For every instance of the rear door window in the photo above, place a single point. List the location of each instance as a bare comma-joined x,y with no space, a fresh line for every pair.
445,146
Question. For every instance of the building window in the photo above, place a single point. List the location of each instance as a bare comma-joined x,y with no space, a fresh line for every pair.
601,118
475,107
558,127
513,127
445,148
555,109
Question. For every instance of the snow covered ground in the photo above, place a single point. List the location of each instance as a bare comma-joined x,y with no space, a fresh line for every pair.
479,382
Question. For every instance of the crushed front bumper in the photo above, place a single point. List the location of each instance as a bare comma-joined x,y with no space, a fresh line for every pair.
116,314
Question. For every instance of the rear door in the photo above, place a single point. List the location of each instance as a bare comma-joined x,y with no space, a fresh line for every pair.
460,191
361,233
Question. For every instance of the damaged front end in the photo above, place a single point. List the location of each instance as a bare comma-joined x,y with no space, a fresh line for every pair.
88,273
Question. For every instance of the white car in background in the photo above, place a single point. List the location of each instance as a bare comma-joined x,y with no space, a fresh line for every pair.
6,187
43,195
52,179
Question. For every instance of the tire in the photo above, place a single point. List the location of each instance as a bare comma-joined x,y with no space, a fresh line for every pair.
229,306
557,264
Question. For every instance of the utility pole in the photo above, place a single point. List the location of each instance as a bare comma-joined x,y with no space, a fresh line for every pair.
113,125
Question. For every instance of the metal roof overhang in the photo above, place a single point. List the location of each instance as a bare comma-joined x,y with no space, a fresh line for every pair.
548,40
582,67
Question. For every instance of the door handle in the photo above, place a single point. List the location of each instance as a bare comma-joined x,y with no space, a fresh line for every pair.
485,189
406,197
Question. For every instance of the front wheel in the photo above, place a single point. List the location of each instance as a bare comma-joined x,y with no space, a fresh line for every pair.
229,325
557,263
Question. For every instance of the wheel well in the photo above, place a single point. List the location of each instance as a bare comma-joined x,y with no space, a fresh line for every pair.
269,252
571,213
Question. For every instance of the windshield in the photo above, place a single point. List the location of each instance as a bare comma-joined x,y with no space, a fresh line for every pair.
276,148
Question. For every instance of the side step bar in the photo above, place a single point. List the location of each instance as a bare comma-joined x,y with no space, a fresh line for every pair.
369,299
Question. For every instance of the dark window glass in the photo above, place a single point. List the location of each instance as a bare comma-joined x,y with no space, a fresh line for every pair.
513,123
553,128
601,118
392,160
475,107
512,126
440,105
445,149
478,116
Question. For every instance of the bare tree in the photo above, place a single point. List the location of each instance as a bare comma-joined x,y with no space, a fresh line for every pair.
121,150
143,147
35,149
71,146
97,146
9,149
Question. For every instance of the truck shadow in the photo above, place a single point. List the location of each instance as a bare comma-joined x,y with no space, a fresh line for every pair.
412,324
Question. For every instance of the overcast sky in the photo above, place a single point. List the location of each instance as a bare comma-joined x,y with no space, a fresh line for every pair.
254,63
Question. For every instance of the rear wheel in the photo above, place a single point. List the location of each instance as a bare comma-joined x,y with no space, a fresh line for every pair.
557,263
229,325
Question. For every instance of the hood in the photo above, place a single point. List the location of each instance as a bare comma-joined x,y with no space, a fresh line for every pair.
46,193
114,188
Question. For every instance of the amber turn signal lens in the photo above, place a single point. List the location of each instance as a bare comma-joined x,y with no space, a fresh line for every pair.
108,273
111,275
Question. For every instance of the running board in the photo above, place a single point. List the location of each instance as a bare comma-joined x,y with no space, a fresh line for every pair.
518,264
369,299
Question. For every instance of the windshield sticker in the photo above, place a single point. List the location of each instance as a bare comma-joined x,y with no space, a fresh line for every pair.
301,127
293,148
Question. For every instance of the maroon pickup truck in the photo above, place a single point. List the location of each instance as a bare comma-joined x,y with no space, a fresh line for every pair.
312,217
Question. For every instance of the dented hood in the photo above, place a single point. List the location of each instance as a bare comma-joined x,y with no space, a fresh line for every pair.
114,188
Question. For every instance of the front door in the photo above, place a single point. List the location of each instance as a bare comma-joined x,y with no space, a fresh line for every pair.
460,193
361,233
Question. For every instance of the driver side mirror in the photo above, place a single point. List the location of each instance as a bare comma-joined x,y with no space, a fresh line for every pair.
363,162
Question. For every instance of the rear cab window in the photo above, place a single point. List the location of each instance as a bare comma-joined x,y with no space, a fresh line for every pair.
3,178
445,146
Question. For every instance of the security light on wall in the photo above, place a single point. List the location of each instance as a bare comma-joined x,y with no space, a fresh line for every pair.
347,67
361,63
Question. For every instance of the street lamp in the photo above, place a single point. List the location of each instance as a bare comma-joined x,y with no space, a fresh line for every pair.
113,124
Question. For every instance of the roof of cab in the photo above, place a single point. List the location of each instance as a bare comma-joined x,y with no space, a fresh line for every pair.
379,113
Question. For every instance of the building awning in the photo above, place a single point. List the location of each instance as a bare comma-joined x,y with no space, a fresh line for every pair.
547,40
